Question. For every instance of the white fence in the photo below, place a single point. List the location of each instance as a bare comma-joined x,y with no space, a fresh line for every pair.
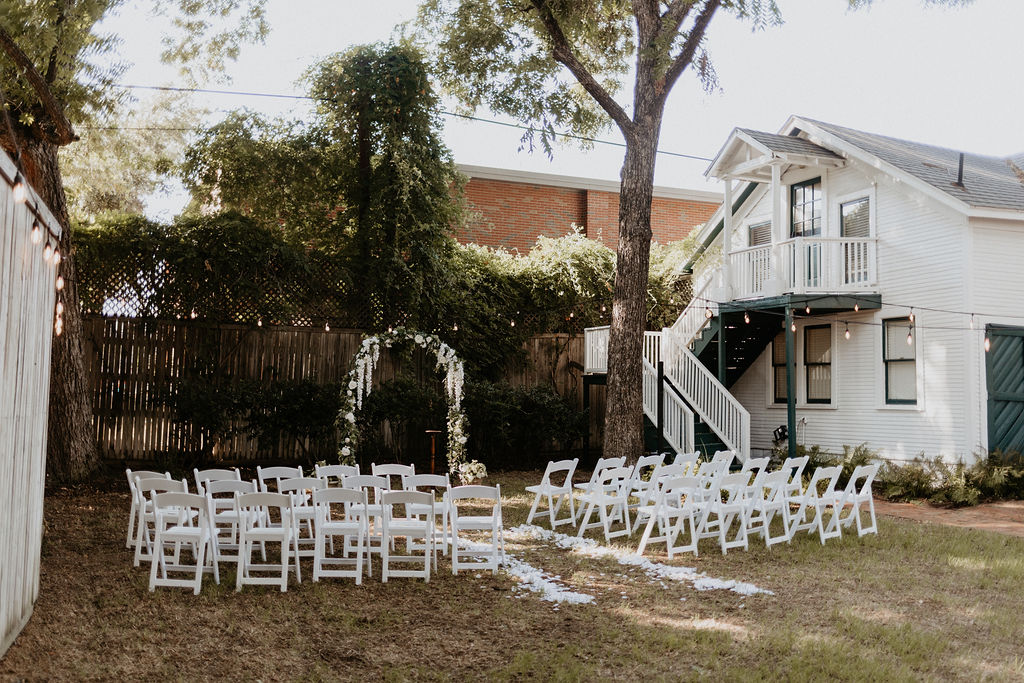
27,300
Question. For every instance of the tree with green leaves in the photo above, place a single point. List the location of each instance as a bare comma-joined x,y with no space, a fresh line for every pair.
58,70
562,63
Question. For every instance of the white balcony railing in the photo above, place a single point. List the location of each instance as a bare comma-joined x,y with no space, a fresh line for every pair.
805,265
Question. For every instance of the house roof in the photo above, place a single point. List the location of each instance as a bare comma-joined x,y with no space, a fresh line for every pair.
988,182
789,144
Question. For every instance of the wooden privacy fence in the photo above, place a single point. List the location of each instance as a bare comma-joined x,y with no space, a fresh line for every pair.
27,300
135,364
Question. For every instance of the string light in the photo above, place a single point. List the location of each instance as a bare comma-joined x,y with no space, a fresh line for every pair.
37,234
708,313
988,343
259,322
807,309
20,193
856,307
910,336
58,325
327,327
60,283
793,326
56,256
911,314
47,251
847,332
455,327
746,317
60,307
512,323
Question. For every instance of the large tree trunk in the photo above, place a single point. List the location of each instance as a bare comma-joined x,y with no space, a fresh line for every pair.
624,427
71,451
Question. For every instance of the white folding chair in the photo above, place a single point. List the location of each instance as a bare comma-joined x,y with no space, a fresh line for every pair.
203,476
674,512
794,467
270,477
301,490
374,486
144,520
182,519
465,516
555,491
610,496
730,510
689,461
857,494
764,502
599,467
221,494
333,474
644,476
348,520
411,526
132,475
819,496
439,486
648,498
755,468
724,456
389,470
258,525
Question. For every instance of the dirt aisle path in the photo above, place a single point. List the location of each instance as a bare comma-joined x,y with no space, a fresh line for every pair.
1006,517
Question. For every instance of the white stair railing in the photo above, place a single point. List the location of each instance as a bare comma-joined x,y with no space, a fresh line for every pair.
677,418
725,415
694,317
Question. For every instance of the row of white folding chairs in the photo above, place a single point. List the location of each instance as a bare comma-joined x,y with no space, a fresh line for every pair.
294,507
731,507
613,489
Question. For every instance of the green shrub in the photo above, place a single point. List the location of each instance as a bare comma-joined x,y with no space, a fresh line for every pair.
851,458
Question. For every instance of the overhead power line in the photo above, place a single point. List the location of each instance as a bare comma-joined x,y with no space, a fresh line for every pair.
285,96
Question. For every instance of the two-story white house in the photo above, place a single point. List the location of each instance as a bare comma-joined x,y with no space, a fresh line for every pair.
853,288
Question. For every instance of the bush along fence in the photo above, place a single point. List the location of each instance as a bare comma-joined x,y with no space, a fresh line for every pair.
184,392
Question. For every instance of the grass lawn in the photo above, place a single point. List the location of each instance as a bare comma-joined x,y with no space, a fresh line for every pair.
914,602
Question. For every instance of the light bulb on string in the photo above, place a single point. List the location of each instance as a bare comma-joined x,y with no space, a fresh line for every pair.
56,256
746,317
807,309
455,327
847,332
259,322
910,336
512,323
47,251
60,308
793,327
988,343
60,283
911,314
856,307
708,313
58,326
327,327
37,234
19,190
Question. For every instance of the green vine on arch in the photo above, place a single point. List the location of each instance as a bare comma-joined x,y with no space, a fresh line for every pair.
360,384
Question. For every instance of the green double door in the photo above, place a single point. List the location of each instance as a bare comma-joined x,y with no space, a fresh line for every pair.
1004,368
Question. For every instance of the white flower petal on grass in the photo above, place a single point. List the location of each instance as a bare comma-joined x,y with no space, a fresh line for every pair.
655,570
534,579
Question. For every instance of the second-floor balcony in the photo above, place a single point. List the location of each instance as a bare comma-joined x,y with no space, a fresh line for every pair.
803,265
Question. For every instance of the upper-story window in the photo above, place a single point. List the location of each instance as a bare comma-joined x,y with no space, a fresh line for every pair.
760,234
855,218
805,200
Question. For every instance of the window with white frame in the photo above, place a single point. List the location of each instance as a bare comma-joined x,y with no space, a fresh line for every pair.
805,200
818,363
779,368
760,234
899,355
855,218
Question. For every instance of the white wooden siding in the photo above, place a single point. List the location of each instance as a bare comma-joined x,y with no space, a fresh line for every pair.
26,324
922,260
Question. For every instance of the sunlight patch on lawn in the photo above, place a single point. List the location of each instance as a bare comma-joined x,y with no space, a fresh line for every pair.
695,624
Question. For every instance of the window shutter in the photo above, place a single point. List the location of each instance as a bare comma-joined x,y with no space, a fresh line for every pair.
856,218
761,233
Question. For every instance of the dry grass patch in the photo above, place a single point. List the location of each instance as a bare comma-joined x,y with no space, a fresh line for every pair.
917,601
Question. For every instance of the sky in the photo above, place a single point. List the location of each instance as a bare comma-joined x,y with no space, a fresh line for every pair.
940,75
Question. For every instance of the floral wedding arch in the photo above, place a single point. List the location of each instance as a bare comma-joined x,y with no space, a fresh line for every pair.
360,384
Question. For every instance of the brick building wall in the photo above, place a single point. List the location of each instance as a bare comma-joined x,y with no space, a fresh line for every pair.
513,208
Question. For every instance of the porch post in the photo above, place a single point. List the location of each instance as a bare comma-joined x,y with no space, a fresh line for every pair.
778,274
727,237
790,383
